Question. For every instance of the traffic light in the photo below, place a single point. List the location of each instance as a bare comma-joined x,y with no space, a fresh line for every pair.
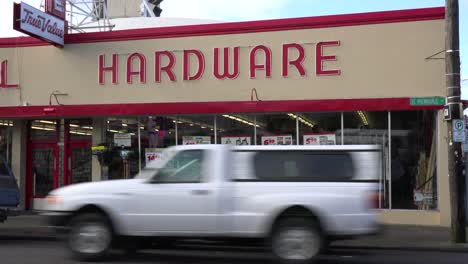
157,10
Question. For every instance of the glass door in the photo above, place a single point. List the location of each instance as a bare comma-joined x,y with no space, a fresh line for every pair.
42,170
79,160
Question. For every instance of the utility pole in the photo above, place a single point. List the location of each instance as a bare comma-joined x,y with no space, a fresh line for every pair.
456,165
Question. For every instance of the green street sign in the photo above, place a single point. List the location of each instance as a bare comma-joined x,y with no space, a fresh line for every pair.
419,101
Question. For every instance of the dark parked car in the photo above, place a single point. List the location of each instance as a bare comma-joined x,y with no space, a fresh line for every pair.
9,192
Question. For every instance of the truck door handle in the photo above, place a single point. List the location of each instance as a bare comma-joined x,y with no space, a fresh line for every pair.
200,192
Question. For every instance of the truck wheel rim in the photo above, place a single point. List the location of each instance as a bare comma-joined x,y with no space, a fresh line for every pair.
296,244
90,238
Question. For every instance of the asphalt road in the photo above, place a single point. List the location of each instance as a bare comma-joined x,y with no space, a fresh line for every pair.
46,251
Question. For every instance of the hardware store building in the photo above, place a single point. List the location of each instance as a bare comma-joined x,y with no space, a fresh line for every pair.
371,78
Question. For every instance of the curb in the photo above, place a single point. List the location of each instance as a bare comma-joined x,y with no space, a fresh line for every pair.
462,248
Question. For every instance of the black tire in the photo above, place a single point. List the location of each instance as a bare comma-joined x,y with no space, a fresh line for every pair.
296,240
90,237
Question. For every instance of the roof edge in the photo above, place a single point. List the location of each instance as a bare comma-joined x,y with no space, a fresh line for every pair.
382,17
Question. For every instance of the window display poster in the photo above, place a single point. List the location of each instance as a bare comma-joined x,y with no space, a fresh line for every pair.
152,154
277,140
193,140
239,140
320,139
123,139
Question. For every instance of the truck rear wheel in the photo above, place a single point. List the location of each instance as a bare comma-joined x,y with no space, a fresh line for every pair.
296,240
90,237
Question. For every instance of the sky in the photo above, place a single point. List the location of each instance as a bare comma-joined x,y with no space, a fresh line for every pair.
245,10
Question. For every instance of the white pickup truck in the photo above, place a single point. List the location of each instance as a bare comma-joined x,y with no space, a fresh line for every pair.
294,198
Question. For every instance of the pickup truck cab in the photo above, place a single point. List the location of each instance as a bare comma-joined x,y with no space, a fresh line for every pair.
9,192
295,198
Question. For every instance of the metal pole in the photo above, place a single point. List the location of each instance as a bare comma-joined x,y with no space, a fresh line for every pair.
176,133
297,129
389,160
215,133
139,144
8,141
456,176
255,129
342,128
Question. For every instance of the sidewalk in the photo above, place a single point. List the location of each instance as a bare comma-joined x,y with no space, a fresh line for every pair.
399,237
403,237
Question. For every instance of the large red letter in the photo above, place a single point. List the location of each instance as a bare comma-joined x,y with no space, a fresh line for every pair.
226,73
297,62
201,65
168,68
320,58
254,66
113,68
4,76
142,69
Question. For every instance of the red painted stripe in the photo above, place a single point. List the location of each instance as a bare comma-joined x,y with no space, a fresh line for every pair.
380,104
241,27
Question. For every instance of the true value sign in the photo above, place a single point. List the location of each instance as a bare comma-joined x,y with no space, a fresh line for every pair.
36,23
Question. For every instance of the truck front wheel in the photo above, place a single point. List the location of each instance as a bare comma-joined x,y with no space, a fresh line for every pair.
90,237
296,240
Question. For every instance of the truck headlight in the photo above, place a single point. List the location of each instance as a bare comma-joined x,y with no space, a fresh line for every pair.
53,200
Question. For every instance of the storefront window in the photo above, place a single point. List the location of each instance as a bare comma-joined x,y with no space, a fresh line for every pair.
81,129
44,130
157,133
5,140
276,129
43,170
319,128
413,155
195,129
236,129
122,136
370,128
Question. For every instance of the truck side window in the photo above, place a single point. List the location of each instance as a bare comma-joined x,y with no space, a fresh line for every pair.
185,167
303,166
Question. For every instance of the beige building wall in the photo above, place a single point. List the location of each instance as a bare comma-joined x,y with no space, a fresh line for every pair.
18,156
123,8
99,135
442,171
376,61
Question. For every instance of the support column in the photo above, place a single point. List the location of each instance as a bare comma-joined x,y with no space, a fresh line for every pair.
99,136
18,156
443,191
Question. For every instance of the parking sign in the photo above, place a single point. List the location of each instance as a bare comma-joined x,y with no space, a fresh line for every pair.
458,130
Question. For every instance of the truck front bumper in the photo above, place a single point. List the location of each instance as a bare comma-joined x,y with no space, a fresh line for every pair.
56,219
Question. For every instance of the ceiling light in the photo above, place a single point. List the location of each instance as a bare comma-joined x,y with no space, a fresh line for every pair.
47,122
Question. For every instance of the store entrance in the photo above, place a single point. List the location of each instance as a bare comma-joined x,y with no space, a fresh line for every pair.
42,170
59,154
78,162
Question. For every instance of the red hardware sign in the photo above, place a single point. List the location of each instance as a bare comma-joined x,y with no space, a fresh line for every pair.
4,76
225,64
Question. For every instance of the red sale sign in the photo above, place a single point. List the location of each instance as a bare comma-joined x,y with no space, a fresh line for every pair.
320,139
277,140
